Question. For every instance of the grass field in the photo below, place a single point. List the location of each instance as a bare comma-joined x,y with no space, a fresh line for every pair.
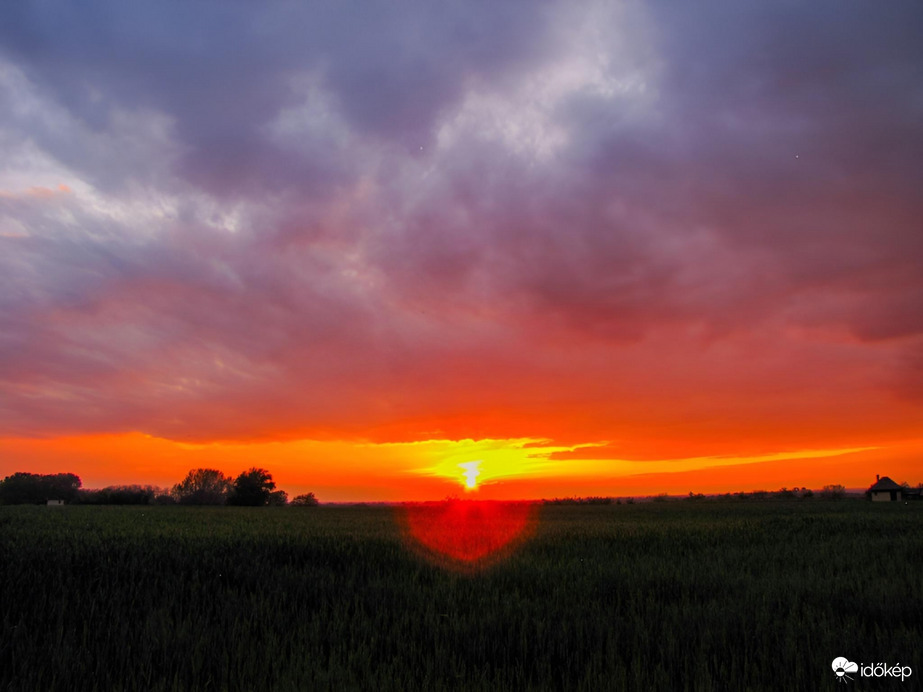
657,596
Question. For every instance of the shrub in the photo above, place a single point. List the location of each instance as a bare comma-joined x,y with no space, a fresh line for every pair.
833,492
306,500
278,498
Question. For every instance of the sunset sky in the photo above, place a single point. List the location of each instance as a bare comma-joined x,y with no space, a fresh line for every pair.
602,248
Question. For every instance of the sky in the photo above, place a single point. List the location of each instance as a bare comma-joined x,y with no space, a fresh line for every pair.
578,248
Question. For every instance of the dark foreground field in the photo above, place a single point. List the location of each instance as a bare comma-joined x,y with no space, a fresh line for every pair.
660,596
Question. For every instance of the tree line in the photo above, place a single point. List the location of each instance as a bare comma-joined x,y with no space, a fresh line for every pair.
252,488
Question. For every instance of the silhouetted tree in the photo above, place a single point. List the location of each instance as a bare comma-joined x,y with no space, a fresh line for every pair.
32,488
278,498
21,488
252,488
62,486
833,492
202,487
306,500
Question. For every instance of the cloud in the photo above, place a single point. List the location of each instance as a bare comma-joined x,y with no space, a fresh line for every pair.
223,71
339,221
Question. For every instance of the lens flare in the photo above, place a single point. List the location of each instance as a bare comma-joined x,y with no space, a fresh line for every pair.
472,469
466,535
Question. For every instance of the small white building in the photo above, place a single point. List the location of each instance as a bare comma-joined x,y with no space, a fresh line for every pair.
885,490
55,503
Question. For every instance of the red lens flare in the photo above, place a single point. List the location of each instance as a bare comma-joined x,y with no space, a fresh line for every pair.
467,534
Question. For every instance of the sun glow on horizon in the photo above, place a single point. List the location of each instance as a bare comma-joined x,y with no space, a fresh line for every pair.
472,469
492,469
486,462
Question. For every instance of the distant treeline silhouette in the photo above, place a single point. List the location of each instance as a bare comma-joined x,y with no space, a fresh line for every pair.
256,488
828,492
580,501
125,495
252,488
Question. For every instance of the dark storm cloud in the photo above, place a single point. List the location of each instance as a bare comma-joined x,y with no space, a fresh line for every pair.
791,131
223,70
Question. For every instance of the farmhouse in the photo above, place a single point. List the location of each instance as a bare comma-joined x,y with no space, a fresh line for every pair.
885,490
55,503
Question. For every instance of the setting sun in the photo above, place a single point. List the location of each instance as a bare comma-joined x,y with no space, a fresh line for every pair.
472,470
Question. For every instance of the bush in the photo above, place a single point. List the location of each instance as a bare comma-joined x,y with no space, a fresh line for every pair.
278,498
306,500
833,492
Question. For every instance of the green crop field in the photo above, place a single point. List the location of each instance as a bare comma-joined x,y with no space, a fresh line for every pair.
657,596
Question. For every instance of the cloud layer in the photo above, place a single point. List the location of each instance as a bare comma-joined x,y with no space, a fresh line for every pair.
676,230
